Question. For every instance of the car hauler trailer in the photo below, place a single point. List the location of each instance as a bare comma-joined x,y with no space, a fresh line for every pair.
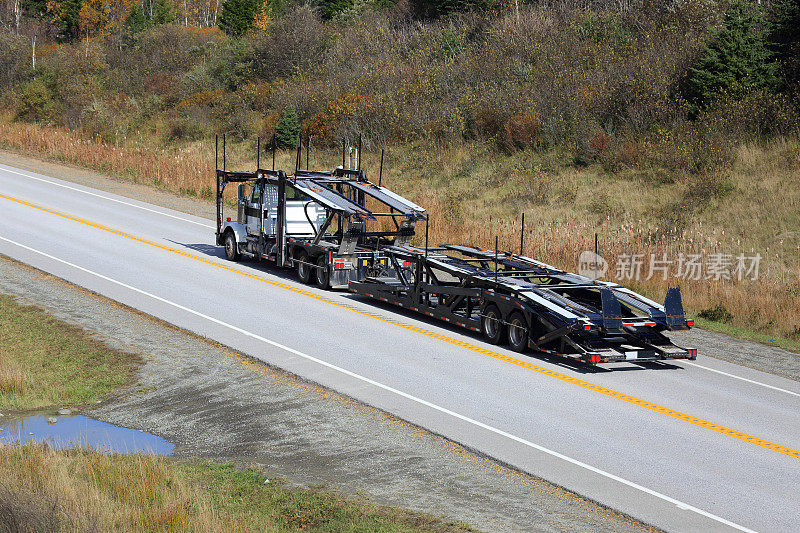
317,222
517,300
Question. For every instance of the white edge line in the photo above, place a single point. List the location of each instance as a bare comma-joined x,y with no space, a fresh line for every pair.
420,401
105,197
743,379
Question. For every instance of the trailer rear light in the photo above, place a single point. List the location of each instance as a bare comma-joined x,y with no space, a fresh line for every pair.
692,353
228,219
406,264
690,322
594,358
587,327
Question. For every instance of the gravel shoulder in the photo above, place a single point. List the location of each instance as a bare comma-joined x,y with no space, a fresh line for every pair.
215,403
747,353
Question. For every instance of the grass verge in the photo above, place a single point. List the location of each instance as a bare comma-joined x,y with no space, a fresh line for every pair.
748,335
45,362
83,490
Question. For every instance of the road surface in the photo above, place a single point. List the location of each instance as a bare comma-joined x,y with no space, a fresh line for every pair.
689,446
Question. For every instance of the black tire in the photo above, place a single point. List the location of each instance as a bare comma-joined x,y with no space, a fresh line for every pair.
231,247
321,274
518,332
303,268
491,324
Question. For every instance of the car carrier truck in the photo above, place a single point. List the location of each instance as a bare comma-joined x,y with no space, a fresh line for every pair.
330,226
344,232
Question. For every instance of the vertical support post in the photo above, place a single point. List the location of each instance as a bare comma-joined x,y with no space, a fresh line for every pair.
224,160
308,150
427,274
219,207
343,149
522,234
380,173
274,145
426,237
596,250
280,256
299,152
258,153
216,173
496,259
358,155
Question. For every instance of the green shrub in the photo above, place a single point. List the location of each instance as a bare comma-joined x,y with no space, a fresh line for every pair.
35,101
718,313
15,56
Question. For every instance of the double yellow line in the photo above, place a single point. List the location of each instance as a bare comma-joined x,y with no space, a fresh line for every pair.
483,351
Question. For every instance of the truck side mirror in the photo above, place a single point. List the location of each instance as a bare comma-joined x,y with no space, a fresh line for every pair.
241,192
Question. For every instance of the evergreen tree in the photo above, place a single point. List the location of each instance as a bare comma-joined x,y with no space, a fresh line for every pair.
70,18
162,12
737,60
237,16
785,39
287,131
136,20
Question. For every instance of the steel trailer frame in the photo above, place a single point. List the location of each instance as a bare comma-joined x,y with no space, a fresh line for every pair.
528,304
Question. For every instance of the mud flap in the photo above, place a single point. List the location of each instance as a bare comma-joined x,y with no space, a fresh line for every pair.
612,312
673,306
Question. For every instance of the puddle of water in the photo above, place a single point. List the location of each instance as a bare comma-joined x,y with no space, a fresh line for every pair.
81,431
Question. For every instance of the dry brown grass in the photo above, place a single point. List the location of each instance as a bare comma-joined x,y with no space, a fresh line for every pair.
83,490
474,195
12,381
184,170
93,491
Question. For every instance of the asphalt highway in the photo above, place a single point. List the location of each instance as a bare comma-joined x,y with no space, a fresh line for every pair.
688,446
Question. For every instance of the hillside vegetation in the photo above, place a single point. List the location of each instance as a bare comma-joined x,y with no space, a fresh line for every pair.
666,128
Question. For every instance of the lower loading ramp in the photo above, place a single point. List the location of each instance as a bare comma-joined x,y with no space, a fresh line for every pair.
515,300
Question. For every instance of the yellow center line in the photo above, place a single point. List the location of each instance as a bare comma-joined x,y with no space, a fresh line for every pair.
495,355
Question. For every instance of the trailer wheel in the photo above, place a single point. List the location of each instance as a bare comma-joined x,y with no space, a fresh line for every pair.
492,324
322,274
518,332
231,247
303,268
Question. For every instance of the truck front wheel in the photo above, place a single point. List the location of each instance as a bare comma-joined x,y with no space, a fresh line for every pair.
231,247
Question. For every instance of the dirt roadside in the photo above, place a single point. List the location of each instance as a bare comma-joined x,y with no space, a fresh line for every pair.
214,403
747,353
